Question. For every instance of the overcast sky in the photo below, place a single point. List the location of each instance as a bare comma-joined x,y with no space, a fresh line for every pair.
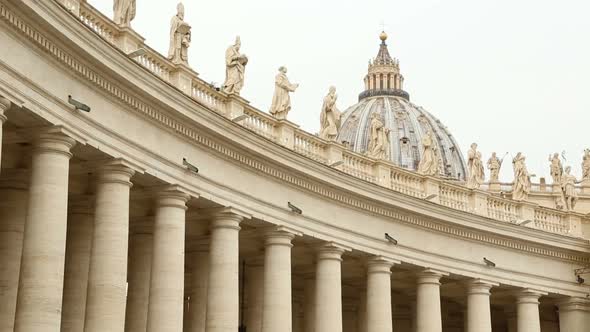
509,75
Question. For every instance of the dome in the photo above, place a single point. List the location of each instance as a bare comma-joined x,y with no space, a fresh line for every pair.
407,122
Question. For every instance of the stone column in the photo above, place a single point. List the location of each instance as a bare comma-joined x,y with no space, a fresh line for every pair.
223,305
78,245
574,315
166,307
107,278
428,311
254,296
13,208
200,276
277,301
140,270
328,288
527,311
309,303
44,245
379,317
4,106
479,315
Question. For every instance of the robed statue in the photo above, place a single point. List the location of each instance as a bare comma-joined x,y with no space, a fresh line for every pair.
330,116
586,165
124,11
235,66
180,37
494,165
476,171
568,189
281,101
429,162
556,170
522,180
379,139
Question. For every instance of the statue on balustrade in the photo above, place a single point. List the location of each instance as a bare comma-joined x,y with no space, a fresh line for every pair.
281,101
568,189
522,180
379,139
556,170
124,11
180,37
586,165
494,165
429,162
330,116
476,171
235,66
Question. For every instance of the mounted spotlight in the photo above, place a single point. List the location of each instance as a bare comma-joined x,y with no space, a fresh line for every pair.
137,53
523,222
489,263
431,196
390,239
240,118
78,105
580,280
190,166
337,163
294,209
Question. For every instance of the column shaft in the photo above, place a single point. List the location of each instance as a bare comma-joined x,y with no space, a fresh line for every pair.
428,310
140,270
13,209
254,297
328,289
223,286
200,276
309,310
43,257
78,246
379,316
574,315
166,307
479,316
362,312
527,311
277,302
107,278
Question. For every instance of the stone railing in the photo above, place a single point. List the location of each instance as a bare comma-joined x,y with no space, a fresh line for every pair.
485,202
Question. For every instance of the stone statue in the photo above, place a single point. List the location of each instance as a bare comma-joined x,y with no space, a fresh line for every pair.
476,172
429,162
379,139
494,165
235,65
281,102
180,37
522,181
124,12
568,189
556,169
330,116
586,165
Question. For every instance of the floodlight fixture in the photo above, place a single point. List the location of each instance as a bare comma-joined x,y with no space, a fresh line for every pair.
240,118
489,263
294,209
431,196
137,53
190,166
523,222
337,163
390,239
78,105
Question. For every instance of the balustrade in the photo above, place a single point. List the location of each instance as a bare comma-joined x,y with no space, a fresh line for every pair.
310,146
502,209
260,123
358,166
454,197
96,21
407,182
551,221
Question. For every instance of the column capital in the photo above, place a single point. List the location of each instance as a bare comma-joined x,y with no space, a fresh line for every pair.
4,106
115,172
280,235
172,196
380,264
479,286
574,304
53,140
331,251
224,218
430,276
528,295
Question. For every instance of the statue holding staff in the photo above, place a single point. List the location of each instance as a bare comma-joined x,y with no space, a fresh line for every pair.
494,165
556,170
180,37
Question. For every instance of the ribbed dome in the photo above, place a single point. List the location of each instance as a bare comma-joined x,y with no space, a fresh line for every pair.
408,123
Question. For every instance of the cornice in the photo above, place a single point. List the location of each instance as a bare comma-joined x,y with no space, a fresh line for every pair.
374,199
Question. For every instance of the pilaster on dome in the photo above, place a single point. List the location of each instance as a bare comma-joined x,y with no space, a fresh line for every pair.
384,77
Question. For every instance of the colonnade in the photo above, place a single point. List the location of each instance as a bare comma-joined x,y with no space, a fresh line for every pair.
67,269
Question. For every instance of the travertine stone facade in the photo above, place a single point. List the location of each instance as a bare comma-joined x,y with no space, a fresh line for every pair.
104,228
